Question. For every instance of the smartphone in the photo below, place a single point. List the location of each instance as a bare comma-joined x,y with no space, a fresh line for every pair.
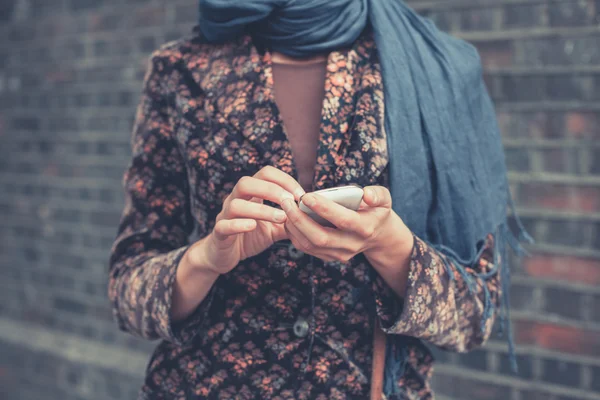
348,196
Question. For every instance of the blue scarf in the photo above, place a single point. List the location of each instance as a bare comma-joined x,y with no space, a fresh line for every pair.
447,169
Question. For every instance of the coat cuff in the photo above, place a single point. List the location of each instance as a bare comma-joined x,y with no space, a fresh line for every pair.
184,331
396,314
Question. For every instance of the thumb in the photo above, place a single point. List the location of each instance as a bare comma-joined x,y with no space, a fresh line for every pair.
370,197
377,196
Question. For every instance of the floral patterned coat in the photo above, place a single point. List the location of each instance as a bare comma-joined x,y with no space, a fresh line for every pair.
282,324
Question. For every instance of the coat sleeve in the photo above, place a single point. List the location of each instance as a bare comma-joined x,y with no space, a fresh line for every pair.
155,224
445,302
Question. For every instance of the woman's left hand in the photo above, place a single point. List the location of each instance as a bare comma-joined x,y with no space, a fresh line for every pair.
373,227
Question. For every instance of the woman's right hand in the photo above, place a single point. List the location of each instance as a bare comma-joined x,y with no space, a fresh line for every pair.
246,226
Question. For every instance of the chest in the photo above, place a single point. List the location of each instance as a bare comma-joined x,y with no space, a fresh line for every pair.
229,123
299,90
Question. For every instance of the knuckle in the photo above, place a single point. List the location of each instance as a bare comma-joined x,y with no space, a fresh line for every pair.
268,170
345,223
244,184
219,227
367,231
235,206
321,241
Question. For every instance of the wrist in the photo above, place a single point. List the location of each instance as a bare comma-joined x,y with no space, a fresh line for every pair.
196,261
391,255
393,249
394,234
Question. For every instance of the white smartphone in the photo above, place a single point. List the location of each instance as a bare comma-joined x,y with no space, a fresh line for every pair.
348,196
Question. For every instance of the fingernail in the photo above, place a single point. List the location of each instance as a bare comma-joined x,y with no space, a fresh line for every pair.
299,192
373,195
279,215
309,200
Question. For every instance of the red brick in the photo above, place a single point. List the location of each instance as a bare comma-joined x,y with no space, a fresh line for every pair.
51,170
496,54
564,268
148,16
444,384
56,76
104,22
538,125
557,337
563,160
530,394
583,125
504,122
463,388
53,27
470,389
560,197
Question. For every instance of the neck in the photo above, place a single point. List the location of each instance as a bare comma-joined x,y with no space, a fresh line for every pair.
280,58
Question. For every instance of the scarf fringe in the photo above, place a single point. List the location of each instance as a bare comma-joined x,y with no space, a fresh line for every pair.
396,356
514,241
396,350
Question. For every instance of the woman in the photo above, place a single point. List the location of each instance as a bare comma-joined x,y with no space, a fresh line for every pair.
270,100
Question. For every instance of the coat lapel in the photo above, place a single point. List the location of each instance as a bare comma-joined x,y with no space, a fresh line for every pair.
236,105
236,83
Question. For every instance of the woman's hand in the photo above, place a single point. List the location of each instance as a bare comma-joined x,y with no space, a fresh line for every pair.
245,226
375,227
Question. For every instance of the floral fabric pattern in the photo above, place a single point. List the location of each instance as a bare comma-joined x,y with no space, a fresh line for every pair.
207,117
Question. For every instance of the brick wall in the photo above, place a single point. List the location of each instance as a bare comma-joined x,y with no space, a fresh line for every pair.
70,76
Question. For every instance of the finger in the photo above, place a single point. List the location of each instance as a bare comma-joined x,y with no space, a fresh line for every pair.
297,237
377,196
327,254
228,227
303,243
286,181
298,221
239,208
317,235
363,206
340,216
248,187
341,243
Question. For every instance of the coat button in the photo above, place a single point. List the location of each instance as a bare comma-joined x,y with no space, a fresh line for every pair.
294,253
301,327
